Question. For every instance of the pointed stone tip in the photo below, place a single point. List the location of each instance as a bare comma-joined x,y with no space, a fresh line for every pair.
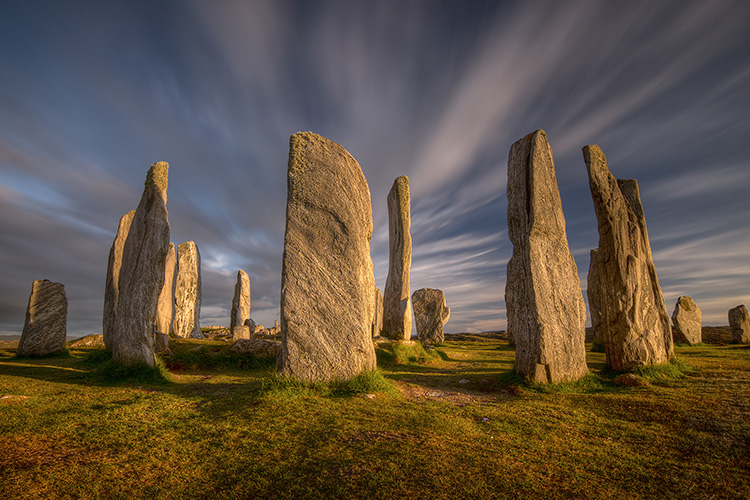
158,175
592,152
299,138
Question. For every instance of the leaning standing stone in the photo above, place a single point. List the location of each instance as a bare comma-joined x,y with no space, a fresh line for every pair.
142,273
635,323
327,279
112,286
545,308
430,314
46,317
165,311
739,324
396,299
240,301
187,292
686,319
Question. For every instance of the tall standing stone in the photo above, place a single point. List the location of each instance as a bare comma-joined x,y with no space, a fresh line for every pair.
165,311
112,285
545,308
46,318
686,319
187,292
739,323
142,273
377,316
635,323
240,301
396,298
327,277
430,314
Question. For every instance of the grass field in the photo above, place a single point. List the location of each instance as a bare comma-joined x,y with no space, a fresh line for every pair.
449,423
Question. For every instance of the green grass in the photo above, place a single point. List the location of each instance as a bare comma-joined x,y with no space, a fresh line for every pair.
453,423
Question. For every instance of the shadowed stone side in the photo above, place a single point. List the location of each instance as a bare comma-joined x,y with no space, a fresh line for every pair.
545,308
739,324
187,292
46,320
430,314
142,273
327,277
396,298
241,301
634,322
112,285
686,319
165,311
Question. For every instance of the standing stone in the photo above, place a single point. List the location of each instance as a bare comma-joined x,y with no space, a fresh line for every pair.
396,298
545,307
187,292
430,314
112,285
593,291
46,318
739,324
686,319
327,276
240,301
165,310
377,316
142,273
634,318
241,332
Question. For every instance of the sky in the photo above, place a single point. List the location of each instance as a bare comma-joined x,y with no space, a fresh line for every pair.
92,93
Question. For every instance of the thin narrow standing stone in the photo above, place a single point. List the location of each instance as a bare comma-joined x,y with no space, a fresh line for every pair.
377,318
142,273
634,321
46,318
240,301
593,291
112,285
545,307
187,292
739,323
165,311
396,299
327,279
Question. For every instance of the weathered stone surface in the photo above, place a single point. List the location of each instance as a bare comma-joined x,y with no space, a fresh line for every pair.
593,292
240,301
112,285
142,273
161,342
686,319
634,318
739,324
165,309
629,380
46,320
431,314
327,277
260,348
396,299
545,308
241,332
187,292
89,341
377,316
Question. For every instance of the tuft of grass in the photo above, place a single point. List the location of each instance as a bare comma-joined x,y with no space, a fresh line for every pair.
53,355
663,372
107,371
190,357
402,353
364,383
